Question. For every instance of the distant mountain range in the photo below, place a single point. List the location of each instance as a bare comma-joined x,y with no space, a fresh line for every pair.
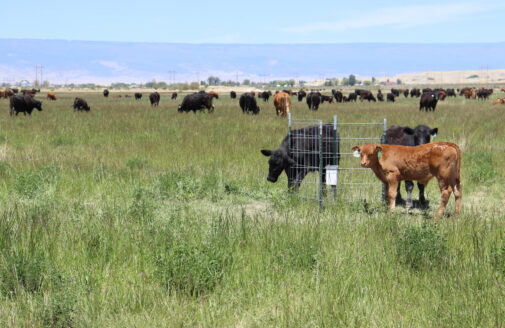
106,62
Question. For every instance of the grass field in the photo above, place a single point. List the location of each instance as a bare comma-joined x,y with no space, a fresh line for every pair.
129,216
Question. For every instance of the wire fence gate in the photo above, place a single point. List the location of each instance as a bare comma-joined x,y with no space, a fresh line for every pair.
323,159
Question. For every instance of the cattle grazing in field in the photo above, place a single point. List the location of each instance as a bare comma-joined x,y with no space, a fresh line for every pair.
366,95
352,97
380,96
2,94
483,94
441,94
51,96
14,90
117,96
392,164
105,93
174,96
345,99
301,94
451,93
313,100
427,90
395,92
196,102
297,165
265,95
406,136
359,91
289,92
428,101
30,93
23,104
154,99
502,89
248,104
138,95
405,92
233,95
127,96
415,92
282,104
8,93
80,105
337,95
500,101
329,99
390,97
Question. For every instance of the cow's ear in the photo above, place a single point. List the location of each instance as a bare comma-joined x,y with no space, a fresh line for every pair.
266,152
434,132
291,161
408,130
357,151
378,151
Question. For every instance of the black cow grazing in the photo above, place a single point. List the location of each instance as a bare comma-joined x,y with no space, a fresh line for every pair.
15,90
154,98
483,94
80,105
415,93
390,97
248,104
337,95
264,95
406,93
23,104
359,91
174,96
428,101
406,136
301,94
313,100
380,96
395,92
451,93
233,95
427,90
345,99
326,98
138,96
196,102
366,95
105,93
299,164
352,97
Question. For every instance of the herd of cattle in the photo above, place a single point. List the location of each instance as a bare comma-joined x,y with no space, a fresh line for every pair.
23,101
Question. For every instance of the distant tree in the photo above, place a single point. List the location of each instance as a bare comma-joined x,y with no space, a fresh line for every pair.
367,83
246,82
213,80
374,79
291,83
345,81
194,86
398,81
352,80
302,83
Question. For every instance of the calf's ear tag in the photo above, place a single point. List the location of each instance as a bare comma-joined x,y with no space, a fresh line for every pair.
434,135
379,154
356,153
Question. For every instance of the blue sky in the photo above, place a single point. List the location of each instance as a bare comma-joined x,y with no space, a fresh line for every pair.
259,21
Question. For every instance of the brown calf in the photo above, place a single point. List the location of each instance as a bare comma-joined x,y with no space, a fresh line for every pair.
51,96
499,101
392,164
282,103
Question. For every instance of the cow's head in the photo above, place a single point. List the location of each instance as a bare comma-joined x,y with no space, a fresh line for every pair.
179,109
38,105
422,134
369,154
278,162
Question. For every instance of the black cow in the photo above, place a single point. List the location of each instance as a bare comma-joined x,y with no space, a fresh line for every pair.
359,91
483,94
396,92
366,95
80,105
105,93
138,96
265,95
248,104
451,93
352,97
154,98
415,92
298,164
23,104
406,136
313,100
174,96
195,102
390,97
338,95
326,98
406,93
301,94
428,101
233,95
380,96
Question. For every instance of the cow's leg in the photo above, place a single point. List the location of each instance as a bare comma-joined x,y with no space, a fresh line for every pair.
446,191
422,199
399,199
392,191
409,186
457,195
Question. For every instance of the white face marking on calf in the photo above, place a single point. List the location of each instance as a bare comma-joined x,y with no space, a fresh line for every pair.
356,153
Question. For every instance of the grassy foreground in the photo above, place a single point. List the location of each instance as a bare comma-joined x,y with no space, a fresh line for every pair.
129,216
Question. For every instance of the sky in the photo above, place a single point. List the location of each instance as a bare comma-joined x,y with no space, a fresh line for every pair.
258,21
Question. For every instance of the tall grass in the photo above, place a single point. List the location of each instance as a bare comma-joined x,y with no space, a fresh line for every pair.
140,217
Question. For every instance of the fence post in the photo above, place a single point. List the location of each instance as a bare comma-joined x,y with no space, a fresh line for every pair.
384,141
320,165
335,155
290,147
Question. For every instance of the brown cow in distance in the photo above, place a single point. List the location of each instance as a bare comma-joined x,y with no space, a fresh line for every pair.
392,164
282,103
51,96
213,94
502,89
500,101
